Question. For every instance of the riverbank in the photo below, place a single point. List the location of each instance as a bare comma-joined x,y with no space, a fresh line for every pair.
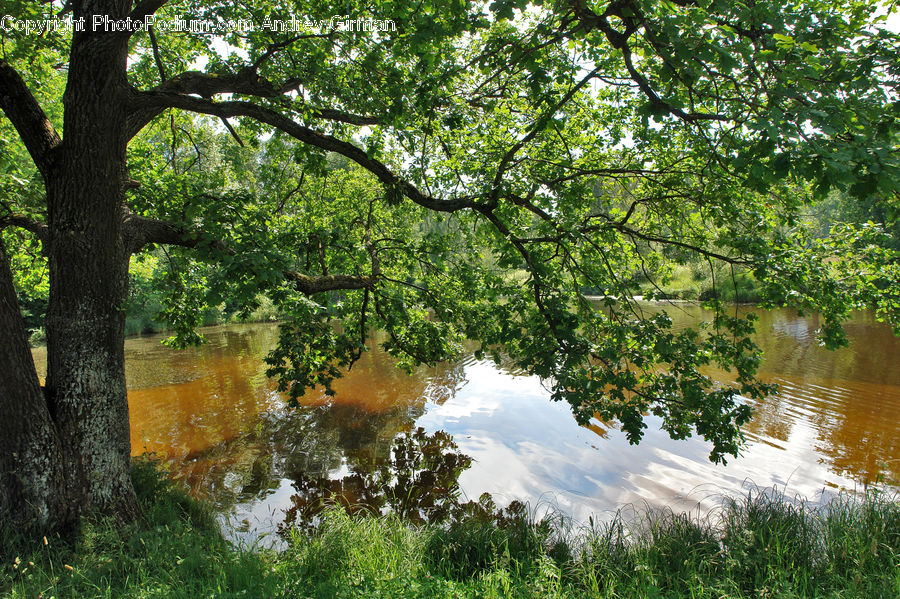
757,546
142,323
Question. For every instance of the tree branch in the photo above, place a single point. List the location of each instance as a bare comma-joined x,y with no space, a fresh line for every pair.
633,233
628,11
231,130
536,128
245,82
38,228
161,100
277,47
145,9
156,55
309,285
139,231
27,116
331,114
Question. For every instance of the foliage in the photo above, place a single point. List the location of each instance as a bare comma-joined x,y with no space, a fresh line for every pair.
469,173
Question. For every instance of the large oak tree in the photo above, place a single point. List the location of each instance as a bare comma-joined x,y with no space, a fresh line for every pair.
520,155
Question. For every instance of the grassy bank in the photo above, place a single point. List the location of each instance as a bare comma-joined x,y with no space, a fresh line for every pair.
143,322
693,282
146,319
757,547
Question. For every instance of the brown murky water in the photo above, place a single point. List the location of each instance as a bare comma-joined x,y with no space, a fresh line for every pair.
211,413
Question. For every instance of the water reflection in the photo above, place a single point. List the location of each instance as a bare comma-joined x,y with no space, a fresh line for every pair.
849,399
230,437
211,412
418,479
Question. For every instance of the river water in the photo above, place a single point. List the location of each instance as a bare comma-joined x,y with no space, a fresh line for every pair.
212,415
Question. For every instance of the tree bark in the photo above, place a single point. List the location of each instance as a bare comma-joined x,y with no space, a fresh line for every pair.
32,483
89,275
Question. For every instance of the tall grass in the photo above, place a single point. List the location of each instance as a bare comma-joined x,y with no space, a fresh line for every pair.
764,545
177,551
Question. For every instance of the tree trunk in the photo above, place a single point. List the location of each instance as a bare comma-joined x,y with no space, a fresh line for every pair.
32,485
89,276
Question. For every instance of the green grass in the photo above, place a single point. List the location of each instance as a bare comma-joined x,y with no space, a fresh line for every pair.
693,282
759,546
143,321
176,552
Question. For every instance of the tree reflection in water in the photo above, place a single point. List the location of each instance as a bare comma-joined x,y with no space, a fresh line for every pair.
366,432
418,481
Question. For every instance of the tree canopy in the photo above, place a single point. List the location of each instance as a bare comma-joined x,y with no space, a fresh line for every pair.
447,171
